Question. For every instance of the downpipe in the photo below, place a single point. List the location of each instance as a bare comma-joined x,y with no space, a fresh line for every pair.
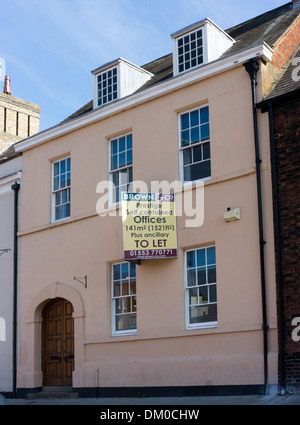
15,187
252,67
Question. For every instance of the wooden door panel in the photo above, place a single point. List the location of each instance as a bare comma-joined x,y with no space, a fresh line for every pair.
58,343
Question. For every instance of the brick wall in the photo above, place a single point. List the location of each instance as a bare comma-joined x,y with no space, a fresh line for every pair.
286,45
287,142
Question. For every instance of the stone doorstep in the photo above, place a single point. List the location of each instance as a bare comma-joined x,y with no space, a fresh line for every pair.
53,392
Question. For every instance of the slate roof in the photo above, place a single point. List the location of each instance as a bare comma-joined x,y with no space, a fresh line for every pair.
268,27
289,81
8,154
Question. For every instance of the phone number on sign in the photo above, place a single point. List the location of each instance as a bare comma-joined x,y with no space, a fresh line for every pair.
153,253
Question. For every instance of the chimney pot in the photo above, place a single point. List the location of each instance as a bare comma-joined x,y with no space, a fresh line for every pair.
7,89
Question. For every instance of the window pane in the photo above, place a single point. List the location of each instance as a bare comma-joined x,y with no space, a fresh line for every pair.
129,141
187,156
114,162
206,151
119,305
56,168
129,157
68,210
195,118
211,274
203,295
185,121
62,181
213,293
185,138
130,178
191,259
205,132
64,194
126,322
62,166
57,213
201,261
204,115
125,288
211,255
123,177
200,170
117,272
187,174
116,195
127,305
195,135
122,144
191,277
201,276
125,271
197,153
207,313
56,183
114,145
132,270
58,198
133,288
117,289
122,159
193,296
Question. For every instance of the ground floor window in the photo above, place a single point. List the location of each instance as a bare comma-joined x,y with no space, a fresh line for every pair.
201,287
124,298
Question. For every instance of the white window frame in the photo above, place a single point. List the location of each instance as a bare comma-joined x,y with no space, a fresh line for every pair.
96,97
111,172
200,325
181,162
204,46
54,191
116,332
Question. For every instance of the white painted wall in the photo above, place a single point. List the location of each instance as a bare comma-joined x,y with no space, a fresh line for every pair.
9,174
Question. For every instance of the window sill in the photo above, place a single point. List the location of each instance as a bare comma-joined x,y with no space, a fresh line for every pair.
124,333
202,326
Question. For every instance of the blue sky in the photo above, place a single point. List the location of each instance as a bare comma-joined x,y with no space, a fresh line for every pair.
50,47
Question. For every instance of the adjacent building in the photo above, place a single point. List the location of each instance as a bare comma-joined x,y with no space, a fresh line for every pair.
204,322
283,107
18,119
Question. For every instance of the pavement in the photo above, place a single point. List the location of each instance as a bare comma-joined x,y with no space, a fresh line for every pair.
267,400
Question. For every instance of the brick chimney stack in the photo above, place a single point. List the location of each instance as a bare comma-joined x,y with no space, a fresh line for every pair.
7,89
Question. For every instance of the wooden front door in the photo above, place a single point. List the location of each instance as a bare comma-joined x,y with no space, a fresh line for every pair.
58,343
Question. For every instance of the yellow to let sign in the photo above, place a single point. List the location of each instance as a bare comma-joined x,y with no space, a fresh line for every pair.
149,226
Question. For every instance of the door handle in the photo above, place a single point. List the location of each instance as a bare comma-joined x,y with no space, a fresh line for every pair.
57,358
69,357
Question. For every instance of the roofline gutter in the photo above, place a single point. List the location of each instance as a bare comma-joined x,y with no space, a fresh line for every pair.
252,67
226,63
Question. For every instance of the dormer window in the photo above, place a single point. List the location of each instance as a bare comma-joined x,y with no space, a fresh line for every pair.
107,86
198,44
116,80
190,50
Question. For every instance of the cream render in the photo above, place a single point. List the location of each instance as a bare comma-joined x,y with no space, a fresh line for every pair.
163,352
